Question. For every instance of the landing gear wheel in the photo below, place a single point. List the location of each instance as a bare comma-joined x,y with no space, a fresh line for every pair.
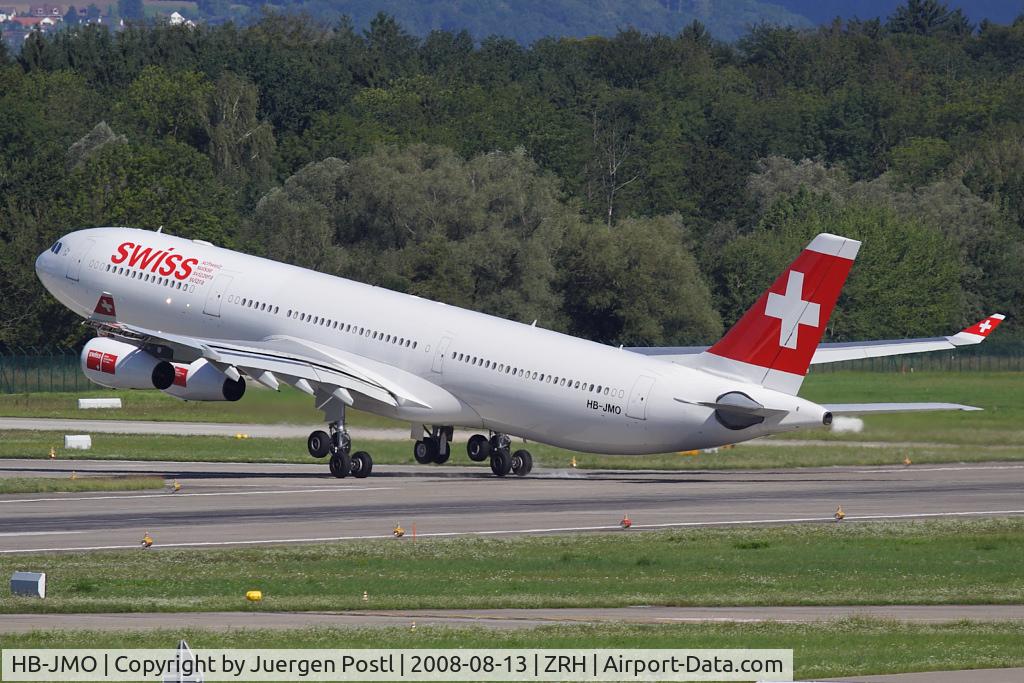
319,444
442,458
425,451
362,465
340,464
522,463
501,462
479,448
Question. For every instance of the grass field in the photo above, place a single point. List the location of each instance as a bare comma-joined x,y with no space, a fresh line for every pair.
27,444
1000,394
259,405
91,483
850,647
933,562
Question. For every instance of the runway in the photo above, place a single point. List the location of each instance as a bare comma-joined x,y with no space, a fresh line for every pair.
225,504
287,431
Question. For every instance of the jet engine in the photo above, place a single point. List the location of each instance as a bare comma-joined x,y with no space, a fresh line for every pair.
118,365
201,381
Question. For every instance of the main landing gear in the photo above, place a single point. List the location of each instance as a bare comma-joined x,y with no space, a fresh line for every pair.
436,447
338,445
499,449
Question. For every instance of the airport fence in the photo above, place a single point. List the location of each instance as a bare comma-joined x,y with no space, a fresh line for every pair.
32,370
988,357
57,369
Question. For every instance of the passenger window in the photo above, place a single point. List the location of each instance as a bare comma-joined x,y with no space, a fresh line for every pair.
414,345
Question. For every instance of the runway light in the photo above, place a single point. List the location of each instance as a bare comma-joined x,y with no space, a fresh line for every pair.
839,515
366,598
147,541
573,462
53,453
74,475
906,460
626,522
176,486
254,596
413,626
398,531
241,436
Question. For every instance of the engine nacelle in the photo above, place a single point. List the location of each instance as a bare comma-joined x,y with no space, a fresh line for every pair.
119,365
201,381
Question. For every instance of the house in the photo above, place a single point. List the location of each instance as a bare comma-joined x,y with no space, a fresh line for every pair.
7,13
175,19
29,22
46,11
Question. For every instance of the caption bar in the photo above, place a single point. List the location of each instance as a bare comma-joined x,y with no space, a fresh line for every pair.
397,665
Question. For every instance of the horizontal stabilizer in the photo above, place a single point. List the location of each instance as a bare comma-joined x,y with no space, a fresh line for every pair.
876,408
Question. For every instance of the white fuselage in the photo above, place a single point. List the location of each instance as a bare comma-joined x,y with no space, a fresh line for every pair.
475,370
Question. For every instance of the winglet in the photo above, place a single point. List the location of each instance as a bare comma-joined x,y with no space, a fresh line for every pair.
977,332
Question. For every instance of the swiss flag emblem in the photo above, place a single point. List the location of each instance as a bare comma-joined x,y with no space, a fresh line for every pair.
105,306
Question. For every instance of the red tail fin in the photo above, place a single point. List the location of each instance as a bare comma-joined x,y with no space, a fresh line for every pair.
772,344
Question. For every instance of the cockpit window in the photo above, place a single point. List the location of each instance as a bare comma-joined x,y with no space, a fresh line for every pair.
56,247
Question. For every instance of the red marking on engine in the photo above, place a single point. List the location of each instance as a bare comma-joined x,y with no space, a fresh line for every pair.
94,360
180,375
108,364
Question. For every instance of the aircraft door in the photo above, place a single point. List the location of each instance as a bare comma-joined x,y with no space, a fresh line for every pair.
216,296
442,349
637,406
80,250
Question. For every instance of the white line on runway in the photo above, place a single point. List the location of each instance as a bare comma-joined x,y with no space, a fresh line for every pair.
40,533
501,532
915,468
144,496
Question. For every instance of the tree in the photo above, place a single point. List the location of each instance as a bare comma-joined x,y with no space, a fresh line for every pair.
165,184
71,16
295,223
635,284
160,103
928,17
480,233
242,146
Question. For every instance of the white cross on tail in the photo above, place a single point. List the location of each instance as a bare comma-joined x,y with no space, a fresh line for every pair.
792,310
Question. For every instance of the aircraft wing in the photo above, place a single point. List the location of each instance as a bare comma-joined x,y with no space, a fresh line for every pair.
318,370
835,352
877,408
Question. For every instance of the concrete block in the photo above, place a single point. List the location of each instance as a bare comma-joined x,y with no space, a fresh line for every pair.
28,583
92,403
78,441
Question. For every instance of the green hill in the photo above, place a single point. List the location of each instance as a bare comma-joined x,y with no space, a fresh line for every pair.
529,20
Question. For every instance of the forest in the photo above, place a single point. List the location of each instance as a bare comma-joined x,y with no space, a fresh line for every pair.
639,189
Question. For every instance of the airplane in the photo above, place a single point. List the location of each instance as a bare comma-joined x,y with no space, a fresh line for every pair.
195,321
